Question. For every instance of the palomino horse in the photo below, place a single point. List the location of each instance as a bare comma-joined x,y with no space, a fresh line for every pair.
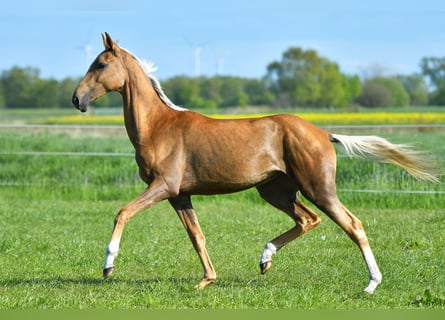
182,153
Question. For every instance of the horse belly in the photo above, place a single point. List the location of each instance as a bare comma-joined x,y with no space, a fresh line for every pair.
210,186
226,174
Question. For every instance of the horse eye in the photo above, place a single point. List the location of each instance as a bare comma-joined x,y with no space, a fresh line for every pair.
101,65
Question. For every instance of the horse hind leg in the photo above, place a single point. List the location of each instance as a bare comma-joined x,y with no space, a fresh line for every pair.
355,230
305,220
282,195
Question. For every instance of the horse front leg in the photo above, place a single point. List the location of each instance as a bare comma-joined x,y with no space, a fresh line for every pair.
156,192
186,214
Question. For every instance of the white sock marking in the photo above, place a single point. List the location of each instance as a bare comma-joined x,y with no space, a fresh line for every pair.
112,251
268,252
374,272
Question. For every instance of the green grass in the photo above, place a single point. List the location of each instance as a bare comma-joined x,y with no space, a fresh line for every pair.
32,114
52,254
57,214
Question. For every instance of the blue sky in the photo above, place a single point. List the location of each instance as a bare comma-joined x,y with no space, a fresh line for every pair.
237,37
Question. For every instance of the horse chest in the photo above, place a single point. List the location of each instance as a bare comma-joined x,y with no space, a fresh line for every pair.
145,165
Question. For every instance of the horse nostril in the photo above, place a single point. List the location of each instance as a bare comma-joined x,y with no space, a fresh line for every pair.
75,101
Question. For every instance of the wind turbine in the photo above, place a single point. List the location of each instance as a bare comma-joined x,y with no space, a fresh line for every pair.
87,49
197,50
220,66
221,61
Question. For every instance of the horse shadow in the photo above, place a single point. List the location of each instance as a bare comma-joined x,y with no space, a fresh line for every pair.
185,282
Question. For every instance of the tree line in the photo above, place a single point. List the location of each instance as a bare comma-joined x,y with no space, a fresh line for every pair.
301,78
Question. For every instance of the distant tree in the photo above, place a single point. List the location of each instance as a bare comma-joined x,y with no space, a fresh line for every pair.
45,94
181,90
210,90
232,92
434,69
298,75
2,97
302,78
332,87
352,89
216,92
65,92
374,95
187,92
437,97
115,99
416,88
384,92
23,88
399,95
110,100
257,92
19,86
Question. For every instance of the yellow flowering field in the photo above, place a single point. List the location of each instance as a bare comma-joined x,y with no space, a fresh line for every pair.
363,118
317,118
85,119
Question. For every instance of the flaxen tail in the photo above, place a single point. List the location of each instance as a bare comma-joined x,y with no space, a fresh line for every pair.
372,147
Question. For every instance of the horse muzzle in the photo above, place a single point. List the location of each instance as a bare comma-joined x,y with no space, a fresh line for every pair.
82,103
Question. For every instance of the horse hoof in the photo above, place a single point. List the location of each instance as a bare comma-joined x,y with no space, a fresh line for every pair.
265,266
204,283
108,272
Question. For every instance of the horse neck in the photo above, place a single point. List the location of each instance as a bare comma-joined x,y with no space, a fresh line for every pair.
142,106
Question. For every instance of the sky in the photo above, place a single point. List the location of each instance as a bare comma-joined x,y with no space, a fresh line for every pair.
227,37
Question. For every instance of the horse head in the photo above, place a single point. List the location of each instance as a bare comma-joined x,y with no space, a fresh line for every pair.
106,73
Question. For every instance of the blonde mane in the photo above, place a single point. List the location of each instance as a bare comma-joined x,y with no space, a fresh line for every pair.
149,69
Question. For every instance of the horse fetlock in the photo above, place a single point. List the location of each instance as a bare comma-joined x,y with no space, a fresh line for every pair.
266,257
372,286
269,250
111,254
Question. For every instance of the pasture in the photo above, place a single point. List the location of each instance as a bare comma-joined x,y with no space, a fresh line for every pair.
58,207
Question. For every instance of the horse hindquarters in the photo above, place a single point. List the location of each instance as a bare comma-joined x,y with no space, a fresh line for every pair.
312,164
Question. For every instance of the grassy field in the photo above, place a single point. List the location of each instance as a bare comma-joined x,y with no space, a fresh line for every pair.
57,213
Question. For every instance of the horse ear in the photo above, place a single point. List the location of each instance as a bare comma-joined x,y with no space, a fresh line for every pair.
109,43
